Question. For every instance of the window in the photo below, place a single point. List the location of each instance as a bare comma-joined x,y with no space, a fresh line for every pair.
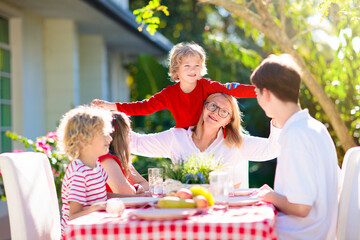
5,86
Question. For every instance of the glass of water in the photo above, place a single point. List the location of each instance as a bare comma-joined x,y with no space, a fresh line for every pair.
156,181
219,188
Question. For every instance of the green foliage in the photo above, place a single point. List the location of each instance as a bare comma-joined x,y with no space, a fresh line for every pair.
145,15
186,22
142,164
148,78
48,145
228,62
337,9
336,69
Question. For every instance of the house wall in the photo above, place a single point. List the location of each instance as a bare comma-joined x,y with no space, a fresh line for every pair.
45,82
93,74
33,81
61,69
15,26
118,86
54,68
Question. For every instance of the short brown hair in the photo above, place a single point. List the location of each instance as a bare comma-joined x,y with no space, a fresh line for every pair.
181,50
279,74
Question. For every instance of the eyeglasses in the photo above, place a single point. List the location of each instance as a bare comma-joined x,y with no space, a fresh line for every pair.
221,112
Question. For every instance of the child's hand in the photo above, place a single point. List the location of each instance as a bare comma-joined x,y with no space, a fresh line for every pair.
103,104
139,188
144,194
265,193
98,206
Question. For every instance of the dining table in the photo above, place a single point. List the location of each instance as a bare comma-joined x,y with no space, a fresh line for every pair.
255,221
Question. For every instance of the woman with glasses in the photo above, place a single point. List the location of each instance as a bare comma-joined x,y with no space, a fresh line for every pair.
218,132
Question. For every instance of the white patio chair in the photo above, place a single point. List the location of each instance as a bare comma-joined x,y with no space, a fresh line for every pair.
348,225
31,196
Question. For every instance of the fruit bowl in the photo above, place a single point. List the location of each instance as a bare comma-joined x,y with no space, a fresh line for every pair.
195,197
171,185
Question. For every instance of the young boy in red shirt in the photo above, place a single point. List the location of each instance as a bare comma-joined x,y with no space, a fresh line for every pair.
185,98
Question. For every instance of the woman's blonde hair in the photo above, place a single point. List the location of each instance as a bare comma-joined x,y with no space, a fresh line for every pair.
181,50
234,131
120,143
80,125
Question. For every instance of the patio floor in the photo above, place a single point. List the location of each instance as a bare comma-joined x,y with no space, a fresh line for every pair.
4,228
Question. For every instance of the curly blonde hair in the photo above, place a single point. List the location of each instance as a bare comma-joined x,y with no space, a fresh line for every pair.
181,50
80,125
121,140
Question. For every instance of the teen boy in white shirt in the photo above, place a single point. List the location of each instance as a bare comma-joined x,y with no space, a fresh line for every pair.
306,183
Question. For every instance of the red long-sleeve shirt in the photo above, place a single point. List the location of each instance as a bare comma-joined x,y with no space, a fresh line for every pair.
186,108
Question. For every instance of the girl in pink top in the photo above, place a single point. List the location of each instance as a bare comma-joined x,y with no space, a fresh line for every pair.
123,177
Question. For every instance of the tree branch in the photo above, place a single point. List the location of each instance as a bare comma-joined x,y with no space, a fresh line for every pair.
293,39
248,5
263,20
282,16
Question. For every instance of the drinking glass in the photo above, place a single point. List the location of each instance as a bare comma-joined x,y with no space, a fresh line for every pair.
156,181
230,172
219,187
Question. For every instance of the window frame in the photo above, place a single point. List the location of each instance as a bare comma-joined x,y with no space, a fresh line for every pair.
5,142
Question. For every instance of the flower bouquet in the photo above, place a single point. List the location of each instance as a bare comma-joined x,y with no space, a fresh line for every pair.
193,170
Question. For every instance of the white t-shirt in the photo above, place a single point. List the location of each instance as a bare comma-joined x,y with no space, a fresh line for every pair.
84,185
306,173
177,144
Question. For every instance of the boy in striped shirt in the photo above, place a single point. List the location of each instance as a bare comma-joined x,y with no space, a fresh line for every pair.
84,135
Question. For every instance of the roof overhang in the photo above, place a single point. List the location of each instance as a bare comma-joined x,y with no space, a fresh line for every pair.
101,17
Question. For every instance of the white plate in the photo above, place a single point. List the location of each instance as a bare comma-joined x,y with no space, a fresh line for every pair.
138,201
242,201
162,214
244,191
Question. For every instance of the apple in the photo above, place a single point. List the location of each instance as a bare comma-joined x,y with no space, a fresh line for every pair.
184,193
201,201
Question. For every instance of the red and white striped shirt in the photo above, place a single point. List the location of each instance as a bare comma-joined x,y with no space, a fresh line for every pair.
83,185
